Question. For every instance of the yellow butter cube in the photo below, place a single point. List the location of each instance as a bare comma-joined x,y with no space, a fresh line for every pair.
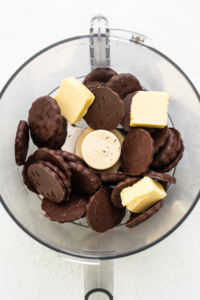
142,195
74,99
149,109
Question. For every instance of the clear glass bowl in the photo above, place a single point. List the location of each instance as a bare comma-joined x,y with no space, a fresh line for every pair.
41,75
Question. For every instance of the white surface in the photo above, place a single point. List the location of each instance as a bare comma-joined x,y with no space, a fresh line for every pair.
169,270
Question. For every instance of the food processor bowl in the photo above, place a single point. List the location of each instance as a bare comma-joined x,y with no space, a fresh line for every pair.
125,52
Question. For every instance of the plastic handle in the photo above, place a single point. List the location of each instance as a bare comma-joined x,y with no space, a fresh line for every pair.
99,280
97,291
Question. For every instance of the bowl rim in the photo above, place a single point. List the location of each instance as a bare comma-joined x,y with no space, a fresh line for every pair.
94,256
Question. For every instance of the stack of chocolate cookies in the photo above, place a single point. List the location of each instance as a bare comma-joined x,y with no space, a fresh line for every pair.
48,128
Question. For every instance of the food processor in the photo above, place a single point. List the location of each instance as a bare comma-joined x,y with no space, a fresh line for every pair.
125,52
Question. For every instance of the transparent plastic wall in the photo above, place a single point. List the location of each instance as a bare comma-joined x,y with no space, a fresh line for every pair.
42,75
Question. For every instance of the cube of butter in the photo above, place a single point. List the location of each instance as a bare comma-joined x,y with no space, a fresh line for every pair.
74,99
149,109
142,195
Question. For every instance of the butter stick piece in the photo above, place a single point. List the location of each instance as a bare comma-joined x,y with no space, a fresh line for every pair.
142,195
149,109
73,99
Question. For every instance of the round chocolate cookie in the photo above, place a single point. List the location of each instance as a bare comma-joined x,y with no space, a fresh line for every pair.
116,197
66,211
21,143
93,84
107,110
169,151
100,74
127,108
46,182
159,137
174,162
45,119
101,214
137,219
61,175
161,177
163,156
52,156
137,152
177,144
30,161
114,177
55,143
83,179
124,84
68,156
121,216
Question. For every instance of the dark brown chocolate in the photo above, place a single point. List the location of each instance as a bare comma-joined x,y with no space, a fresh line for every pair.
83,179
101,214
121,216
21,143
174,162
116,197
30,161
160,137
161,176
124,84
100,74
46,182
163,156
137,152
137,219
52,156
93,84
61,175
113,177
45,119
107,110
66,211
68,156
127,108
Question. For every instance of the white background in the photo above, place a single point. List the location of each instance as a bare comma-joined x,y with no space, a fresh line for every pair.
169,270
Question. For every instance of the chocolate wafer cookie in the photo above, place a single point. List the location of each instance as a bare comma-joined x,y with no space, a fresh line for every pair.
56,142
160,137
107,110
174,162
46,182
93,84
124,84
137,219
30,161
162,157
112,178
121,216
100,74
115,197
83,179
66,211
68,156
21,143
161,176
52,156
101,214
45,119
61,175
169,151
137,152
127,108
